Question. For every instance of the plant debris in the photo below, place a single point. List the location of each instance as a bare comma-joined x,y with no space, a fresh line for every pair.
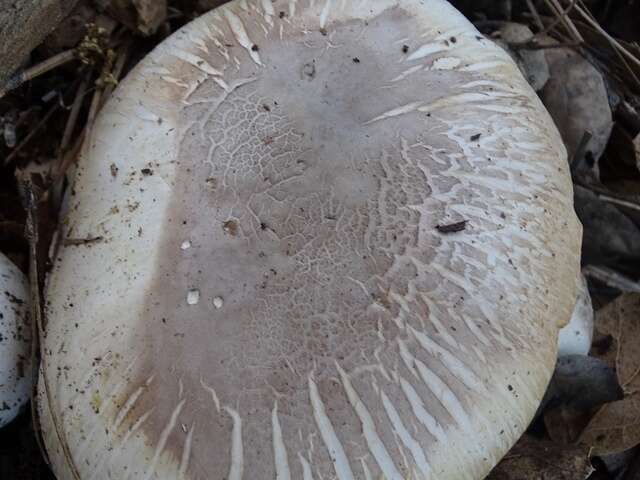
615,427
452,227
533,459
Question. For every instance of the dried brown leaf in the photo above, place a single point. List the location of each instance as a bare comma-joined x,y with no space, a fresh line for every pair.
576,97
145,16
564,424
621,320
533,459
616,426
151,14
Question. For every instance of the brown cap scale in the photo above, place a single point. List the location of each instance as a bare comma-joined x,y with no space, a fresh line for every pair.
338,242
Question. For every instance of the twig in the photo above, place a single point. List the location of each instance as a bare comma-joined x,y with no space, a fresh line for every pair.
594,24
606,195
618,53
555,6
31,134
35,304
618,201
68,158
81,241
611,278
544,30
73,116
37,70
96,101
536,15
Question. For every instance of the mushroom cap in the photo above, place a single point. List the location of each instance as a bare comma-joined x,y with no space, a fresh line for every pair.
15,344
335,240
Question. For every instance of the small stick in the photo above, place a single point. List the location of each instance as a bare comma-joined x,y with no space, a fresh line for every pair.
617,201
68,158
29,74
617,51
630,56
35,303
536,15
73,116
612,278
608,196
559,19
452,227
564,18
94,108
81,241
544,30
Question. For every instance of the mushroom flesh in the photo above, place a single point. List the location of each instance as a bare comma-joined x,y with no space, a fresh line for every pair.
15,344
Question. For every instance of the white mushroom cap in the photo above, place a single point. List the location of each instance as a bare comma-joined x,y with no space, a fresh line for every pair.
576,337
278,292
15,335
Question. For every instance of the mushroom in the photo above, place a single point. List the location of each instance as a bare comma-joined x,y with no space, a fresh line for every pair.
15,334
339,243
575,338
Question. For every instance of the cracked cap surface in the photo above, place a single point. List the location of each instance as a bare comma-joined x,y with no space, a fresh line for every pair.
337,240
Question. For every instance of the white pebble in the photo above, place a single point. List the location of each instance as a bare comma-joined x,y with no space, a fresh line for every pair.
217,302
186,245
193,297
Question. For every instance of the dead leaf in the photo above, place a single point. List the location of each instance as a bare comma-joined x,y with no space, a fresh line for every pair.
144,16
576,97
621,320
616,426
604,348
151,14
564,424
533,459
72,29
610,237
